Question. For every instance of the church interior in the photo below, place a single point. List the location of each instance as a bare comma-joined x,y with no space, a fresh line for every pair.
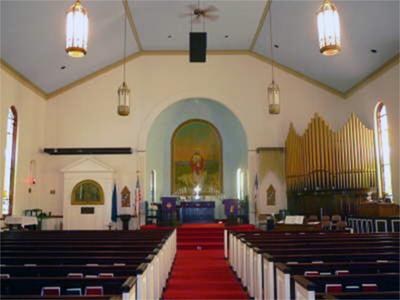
193,149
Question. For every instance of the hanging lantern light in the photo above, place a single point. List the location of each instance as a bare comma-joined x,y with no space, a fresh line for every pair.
77,30
123,99
273,99
328,29
124,91
273,89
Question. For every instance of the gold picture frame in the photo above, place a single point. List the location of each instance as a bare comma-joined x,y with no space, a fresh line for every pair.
87,192
193,144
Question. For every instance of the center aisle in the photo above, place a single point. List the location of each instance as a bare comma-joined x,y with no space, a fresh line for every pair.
200,270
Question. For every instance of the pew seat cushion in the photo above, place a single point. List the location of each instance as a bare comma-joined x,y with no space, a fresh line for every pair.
4,276
352,288
94,291
51,291
75,275
106,275
91,276
74,291
369,287
311,273
333,288
341,272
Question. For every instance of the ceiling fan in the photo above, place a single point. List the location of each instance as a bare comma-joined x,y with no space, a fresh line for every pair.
199,14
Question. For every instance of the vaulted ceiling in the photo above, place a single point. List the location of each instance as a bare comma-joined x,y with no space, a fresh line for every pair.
32,36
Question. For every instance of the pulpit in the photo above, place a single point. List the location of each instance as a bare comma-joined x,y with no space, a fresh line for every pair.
125,221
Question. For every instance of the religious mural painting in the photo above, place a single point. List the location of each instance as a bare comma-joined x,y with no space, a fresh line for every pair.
271,195
125,197
196,150
87,192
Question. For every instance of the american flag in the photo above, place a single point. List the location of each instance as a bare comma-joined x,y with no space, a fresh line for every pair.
138,197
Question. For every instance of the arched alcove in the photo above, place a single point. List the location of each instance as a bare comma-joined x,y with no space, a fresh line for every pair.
158,148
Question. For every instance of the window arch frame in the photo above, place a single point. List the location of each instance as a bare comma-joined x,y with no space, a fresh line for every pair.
384,183
13,159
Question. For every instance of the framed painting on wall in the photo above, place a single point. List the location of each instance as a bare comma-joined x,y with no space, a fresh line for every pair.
87,192
196,159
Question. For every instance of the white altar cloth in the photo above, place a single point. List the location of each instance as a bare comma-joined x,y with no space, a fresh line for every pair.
21,220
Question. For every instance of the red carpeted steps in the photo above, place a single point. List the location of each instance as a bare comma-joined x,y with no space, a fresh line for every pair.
200,270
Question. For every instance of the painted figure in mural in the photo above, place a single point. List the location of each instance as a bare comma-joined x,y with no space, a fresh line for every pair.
197,166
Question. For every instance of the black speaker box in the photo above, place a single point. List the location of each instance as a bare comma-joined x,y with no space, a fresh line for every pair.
198,46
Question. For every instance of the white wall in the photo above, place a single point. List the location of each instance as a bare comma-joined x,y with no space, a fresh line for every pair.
385,88
31,110
86,115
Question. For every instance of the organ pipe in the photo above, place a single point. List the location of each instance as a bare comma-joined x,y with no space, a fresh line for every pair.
322,159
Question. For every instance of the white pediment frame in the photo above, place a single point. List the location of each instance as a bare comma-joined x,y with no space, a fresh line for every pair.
88,164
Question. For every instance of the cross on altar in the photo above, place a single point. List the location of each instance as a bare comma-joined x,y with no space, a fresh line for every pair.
197,190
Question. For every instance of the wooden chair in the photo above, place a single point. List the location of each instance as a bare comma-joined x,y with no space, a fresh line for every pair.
336,218
326,218
341,225
326,225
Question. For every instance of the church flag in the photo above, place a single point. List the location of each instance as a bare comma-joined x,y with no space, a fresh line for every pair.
255,194
114,205
138,197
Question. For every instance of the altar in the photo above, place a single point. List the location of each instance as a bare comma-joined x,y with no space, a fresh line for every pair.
197,211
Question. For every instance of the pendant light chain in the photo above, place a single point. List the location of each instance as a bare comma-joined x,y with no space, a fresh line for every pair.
271,47
124,67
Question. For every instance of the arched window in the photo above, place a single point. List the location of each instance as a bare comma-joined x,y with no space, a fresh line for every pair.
9,161
240,184
383,151
153,185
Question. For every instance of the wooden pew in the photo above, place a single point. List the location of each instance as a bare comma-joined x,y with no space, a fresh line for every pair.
285,272
310,288
147,254
24,286
247,261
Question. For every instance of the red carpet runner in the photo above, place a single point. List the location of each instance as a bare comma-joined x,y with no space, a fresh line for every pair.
200,270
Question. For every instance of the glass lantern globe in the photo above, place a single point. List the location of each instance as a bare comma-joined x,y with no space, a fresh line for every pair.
273,99
124,99
328,29
77,30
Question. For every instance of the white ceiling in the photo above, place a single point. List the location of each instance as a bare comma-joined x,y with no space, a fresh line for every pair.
155,20
32,35
365,25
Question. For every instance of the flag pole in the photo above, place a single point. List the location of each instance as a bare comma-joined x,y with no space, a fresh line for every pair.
137,197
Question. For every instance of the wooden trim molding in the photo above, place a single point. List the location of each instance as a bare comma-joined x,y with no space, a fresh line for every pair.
395,60
260,24
298,74
27,83
92,75
22,79
132,24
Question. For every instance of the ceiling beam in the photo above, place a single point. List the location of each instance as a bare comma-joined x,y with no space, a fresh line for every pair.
92,75
22,79
260,24
298,74
26,82
132,24
372,76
